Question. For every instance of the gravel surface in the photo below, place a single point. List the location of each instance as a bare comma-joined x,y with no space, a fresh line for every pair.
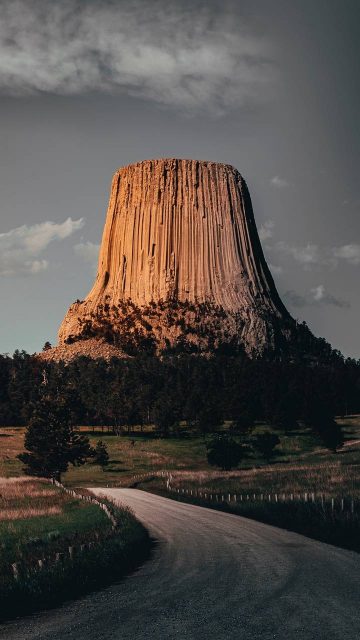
213,576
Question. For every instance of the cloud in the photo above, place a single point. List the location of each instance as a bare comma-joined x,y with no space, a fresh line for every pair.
88,251
311,254
294,299
170,53
348,252
316,296
279,183
266,230
20,248
319,294
275,268
307,255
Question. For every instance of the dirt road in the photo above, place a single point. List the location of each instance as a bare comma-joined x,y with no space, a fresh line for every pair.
213,576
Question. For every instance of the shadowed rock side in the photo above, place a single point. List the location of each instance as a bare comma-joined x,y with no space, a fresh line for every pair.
180,264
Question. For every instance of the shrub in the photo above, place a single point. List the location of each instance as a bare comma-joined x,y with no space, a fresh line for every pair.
223,451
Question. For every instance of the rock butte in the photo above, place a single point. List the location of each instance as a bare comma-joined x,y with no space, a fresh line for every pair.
180,263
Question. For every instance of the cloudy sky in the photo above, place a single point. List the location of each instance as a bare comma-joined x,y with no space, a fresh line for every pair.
89,85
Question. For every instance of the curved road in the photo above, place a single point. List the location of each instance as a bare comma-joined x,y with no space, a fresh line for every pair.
213,576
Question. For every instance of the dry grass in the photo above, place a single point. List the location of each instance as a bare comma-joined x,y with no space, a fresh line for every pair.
26,497
330,479
37,517
19,514
11,443
300,463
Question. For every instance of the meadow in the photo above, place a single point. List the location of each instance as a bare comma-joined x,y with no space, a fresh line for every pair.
54,546
300,462
38,519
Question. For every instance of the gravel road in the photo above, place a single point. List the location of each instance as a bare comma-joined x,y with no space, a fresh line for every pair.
213,576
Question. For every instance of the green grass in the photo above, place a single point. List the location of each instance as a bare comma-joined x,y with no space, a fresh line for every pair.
38,519
43,535
30,531
151,454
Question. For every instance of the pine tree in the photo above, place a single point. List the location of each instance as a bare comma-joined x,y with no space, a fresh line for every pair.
51,440
101,456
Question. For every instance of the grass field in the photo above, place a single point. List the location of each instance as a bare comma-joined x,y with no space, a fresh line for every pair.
37,519
300,462
54,547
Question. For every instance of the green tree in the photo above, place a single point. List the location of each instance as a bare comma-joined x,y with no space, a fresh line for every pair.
286,412
165,415
51,441
243,423
101,455
331,435
265,444
209,417
223,451
321,420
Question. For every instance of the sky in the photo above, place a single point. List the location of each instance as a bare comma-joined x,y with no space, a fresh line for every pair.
87,86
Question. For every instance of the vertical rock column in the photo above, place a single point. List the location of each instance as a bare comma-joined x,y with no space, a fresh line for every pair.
183,230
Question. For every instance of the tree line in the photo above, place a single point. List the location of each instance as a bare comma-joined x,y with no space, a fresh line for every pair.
202,392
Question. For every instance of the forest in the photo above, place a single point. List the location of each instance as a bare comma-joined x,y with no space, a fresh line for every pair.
202,392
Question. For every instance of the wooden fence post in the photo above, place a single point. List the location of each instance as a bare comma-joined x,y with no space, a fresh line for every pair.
15,570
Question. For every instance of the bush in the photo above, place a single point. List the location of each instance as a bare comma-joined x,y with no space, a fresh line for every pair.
265,444
223,451
101,455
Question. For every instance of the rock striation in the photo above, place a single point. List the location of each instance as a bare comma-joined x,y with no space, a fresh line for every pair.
180,265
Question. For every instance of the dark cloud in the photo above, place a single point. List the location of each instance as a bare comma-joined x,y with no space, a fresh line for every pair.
317,296
166,53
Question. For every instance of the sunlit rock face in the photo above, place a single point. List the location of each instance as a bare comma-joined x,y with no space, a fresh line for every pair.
180,265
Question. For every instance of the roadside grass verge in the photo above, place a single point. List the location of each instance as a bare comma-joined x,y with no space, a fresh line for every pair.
333,517
47,557
336,479
316,521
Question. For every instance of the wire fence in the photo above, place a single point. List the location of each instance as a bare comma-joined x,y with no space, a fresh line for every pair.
340,504
73,551
344,504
